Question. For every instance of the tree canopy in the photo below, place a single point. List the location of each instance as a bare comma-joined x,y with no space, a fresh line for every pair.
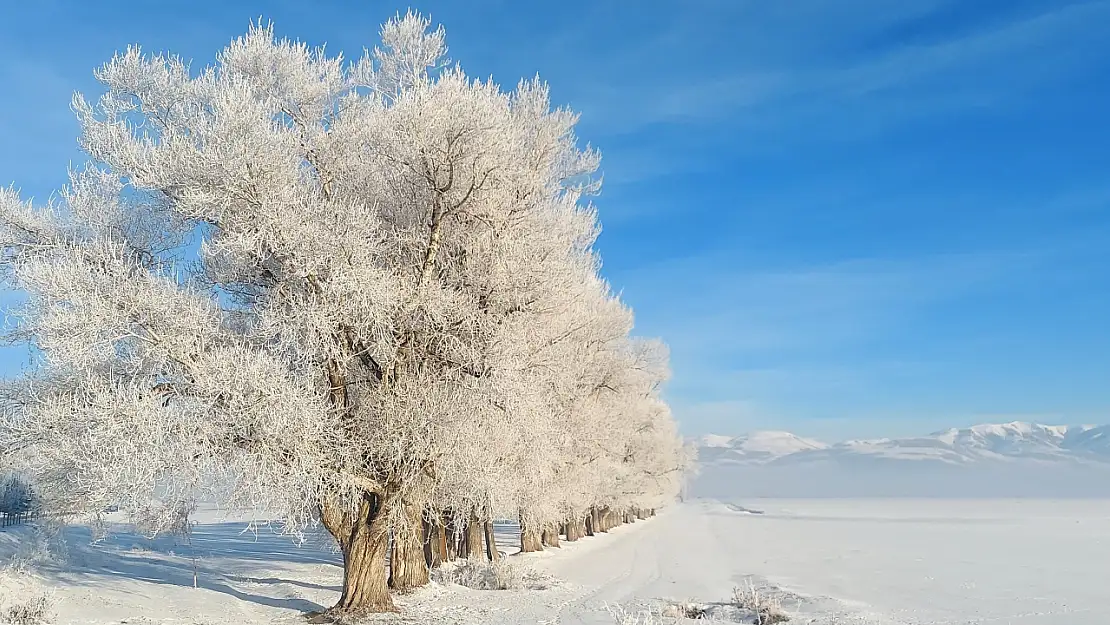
356,292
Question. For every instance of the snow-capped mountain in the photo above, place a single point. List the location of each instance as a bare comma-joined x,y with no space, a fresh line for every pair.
1006,442
755,447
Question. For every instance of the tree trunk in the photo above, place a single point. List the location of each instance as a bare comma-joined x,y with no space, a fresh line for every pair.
550,537
363,538
491,543
599,520
452,532
408,568
460,540
591,528
572,532
472,539
435,541
529,538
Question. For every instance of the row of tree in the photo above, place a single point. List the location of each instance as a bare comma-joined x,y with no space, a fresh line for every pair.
16,495
363,294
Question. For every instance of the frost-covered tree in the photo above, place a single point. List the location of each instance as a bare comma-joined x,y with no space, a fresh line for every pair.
16,495
360,293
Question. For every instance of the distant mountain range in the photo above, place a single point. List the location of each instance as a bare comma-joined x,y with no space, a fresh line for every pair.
1016,442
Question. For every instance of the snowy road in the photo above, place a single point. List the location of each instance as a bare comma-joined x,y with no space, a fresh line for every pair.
690,553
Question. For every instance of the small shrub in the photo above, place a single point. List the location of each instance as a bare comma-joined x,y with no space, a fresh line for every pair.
621,616
766,607
39,610
686,610
507,576
480,575
40,543
23,601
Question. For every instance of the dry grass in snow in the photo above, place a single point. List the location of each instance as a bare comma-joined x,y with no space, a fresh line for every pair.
623,616
24,599
749,605
766,607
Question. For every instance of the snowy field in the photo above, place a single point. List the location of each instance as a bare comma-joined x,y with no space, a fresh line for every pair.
906,562
932,561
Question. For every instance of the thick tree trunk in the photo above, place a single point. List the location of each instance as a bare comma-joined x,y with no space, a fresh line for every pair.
572,531
599,520
591,527
607,519
472,539
550,537
435,541
529,538
408,568
363,538
491,543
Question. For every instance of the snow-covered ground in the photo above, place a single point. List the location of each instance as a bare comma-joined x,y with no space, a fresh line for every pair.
931,561
905,562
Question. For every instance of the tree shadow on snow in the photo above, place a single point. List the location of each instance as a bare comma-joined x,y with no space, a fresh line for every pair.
227,560
230,559
294,582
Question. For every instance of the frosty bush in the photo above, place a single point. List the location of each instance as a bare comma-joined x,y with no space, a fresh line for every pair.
37,610
765,606
748,605
43,542
624,616
685,610
23,600
500,575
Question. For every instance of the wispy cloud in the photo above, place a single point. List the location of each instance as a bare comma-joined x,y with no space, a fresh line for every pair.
752,347
776,76
713,305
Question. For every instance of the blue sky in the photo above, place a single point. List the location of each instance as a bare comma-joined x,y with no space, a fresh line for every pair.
847,217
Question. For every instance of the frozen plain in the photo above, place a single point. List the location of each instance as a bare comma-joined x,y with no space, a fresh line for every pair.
880,561
935,561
